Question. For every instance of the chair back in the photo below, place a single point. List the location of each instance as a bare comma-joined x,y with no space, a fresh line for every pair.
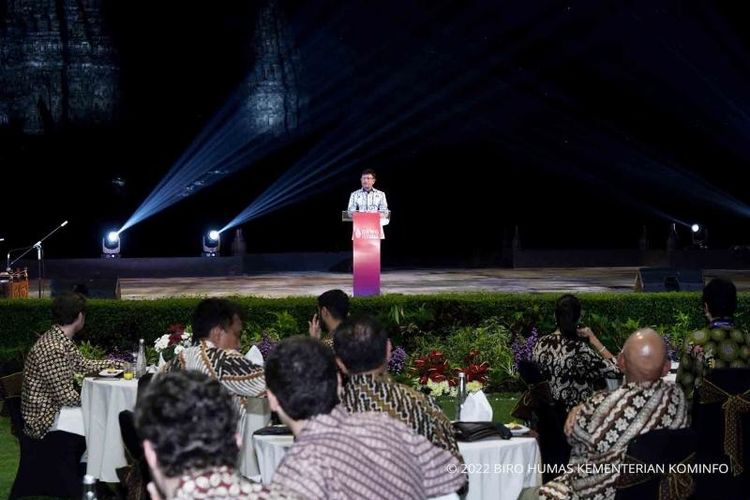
10,393
721,421
130,436
668,452
545,415
530,373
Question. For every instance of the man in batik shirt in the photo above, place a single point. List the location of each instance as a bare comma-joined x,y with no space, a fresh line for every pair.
49,385
217,326
718,345
340,455
187,422
369,199
362,351
601,428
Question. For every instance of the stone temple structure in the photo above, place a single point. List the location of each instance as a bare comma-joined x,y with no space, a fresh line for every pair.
57,65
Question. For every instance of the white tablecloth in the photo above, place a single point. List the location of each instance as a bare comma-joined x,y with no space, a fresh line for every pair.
69,419
102,400
498,469
257,416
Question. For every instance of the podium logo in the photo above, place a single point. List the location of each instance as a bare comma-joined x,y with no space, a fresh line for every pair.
366,234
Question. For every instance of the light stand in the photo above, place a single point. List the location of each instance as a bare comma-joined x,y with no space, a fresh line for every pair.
38,246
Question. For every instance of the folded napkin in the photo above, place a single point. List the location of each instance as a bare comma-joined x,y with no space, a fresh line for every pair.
476,408
254,356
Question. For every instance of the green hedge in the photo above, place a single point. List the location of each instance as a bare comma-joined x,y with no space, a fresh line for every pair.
112,323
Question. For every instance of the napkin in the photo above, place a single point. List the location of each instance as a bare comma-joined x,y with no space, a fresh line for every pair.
254,356
476,408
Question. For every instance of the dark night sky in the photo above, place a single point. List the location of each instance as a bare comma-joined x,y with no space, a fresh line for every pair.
578,121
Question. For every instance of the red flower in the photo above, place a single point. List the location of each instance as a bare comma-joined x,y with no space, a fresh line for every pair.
478,372
175,333
433,367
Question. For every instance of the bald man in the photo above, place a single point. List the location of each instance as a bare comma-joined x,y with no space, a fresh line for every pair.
600,429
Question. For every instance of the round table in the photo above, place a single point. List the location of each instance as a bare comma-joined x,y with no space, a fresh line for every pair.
102,400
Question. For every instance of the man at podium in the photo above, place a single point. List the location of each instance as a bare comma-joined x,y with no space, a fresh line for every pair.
367,199
368,211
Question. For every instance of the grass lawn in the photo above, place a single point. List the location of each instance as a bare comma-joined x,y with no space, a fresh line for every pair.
8,457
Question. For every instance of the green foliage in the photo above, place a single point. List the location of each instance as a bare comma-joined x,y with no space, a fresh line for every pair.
90,351
283,324
405,324
413,320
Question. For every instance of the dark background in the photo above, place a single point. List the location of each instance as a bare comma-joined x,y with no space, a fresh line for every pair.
580,122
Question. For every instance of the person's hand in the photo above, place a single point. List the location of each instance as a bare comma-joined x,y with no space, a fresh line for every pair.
586,333
570,422
314,327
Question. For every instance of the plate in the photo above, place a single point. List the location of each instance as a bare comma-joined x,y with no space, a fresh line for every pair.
110,372
519,430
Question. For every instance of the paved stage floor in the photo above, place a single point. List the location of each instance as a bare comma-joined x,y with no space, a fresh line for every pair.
416,281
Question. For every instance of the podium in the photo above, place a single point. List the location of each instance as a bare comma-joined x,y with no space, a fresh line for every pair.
367,231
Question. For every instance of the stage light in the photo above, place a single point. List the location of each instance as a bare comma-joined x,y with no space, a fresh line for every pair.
111,245
211,243
700,235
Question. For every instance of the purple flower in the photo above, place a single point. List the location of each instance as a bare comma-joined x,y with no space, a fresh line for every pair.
672,353
523,348
398,360
124,356
266,346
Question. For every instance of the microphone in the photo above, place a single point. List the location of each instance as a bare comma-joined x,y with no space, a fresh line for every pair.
37,245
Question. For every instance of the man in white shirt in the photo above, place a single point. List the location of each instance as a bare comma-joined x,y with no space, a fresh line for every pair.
367,199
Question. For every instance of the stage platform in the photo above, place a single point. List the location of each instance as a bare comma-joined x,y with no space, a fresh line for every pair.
416,281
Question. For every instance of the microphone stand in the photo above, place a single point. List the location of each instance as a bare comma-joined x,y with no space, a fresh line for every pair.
38,246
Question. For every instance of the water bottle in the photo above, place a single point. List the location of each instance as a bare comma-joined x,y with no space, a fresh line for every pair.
460,394
89,487
140,362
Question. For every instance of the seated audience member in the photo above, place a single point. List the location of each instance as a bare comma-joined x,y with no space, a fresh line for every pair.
188,423
49,383
720,344
572,358
217,328
333,307
362,351
341,455
601,428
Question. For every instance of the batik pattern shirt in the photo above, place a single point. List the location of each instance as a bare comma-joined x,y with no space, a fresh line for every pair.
238,375
49,380
572,367
367,201
379,393
602,431
351,456
223,483
719,345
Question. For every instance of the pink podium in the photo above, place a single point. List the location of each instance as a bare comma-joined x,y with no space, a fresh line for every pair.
366,235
